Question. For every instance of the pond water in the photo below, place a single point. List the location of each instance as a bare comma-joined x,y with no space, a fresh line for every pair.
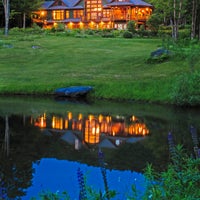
48,144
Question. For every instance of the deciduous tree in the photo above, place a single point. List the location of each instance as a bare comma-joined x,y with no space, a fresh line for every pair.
6,5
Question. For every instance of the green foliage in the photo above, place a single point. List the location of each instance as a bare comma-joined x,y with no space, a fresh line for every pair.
186,89
153,22
60,27
127,34
47,195
131,27
37,29
181,180
184,33
107,34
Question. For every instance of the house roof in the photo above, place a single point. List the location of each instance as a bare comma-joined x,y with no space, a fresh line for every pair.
140,3
47,4
119,4
130,2
73,4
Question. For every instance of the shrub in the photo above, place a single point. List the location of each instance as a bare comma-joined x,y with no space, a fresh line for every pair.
175,183
89,32
153,22
128,34
60,27
131,27
108,35
186,89
184,33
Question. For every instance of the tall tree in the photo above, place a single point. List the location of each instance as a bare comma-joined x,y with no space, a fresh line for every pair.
6,5
194,18
172,12
25,7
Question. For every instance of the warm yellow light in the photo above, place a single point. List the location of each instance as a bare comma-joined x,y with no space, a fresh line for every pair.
57,122
69,115
133,118
100,118
92,131
80,116
108,119
90,117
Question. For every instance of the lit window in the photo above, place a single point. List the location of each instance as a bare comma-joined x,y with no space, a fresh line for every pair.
58,14
94,9
106,13
67,14
78,13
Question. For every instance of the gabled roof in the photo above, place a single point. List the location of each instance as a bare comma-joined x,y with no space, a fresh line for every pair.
129,2
73,4
140,3
57,7
68,3
120,3
47,4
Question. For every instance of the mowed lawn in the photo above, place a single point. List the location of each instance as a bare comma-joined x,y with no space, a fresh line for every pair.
116,67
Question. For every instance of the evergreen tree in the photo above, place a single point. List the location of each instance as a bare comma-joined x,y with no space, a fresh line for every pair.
25,7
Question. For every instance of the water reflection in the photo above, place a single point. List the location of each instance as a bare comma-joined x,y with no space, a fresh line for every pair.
93,129
59,181
33,129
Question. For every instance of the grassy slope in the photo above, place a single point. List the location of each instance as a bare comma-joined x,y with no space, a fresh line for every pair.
114,66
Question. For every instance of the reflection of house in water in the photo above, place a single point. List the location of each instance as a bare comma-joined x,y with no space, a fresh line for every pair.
106,131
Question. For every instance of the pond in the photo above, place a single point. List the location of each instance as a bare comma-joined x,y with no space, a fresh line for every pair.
52,144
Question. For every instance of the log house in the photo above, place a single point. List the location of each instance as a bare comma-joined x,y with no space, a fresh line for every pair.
92,14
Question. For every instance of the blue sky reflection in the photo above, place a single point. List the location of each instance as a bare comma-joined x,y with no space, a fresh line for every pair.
61,175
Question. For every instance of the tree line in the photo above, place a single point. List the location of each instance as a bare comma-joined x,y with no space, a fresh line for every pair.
177,13
173,13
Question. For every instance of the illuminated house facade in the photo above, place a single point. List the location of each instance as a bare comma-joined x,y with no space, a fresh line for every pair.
93,14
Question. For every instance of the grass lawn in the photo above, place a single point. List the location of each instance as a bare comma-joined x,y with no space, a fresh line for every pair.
116,67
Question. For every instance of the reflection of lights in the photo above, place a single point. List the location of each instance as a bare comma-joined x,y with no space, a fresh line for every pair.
41,121
94,126
69,115
100,118
133,118
92,130
57,122
138,129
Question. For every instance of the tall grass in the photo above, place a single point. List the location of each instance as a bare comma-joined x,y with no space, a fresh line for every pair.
116,67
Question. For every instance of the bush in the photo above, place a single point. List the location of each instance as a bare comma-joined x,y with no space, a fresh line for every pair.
186,90
60,27
128,34
131,27
180,181
184,33
108,35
